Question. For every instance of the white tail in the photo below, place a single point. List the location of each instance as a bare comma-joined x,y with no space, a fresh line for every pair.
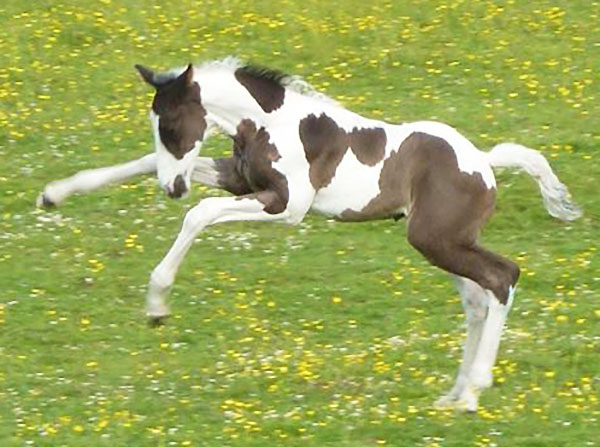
556,195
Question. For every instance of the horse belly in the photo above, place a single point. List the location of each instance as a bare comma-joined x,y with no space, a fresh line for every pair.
352,188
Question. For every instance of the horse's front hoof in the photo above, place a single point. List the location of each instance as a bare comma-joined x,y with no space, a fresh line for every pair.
157,320
43,201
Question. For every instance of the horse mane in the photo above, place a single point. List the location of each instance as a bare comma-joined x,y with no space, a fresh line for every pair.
289,82
230,63
268,74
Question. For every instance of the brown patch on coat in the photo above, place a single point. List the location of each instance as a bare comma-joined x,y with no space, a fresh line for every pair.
368,145
325,144
250,169
447,209
265,88
431,173
181,115
419,156
229,177
394,182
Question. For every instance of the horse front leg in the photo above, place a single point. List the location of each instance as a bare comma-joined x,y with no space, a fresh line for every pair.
90,179
210,211
206,171
220,173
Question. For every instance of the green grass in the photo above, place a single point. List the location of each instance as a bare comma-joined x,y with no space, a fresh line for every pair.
258,352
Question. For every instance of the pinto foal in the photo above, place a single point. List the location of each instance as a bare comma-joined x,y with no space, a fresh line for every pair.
296,151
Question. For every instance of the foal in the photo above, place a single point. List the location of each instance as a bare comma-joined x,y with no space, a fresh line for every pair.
296,151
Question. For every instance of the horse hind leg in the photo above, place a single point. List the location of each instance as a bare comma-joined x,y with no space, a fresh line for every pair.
480,375
475,304
497,276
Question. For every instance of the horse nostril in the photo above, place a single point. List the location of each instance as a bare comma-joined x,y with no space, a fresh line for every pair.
179,188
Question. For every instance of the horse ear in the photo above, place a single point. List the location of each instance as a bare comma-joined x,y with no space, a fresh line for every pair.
188,75
147,75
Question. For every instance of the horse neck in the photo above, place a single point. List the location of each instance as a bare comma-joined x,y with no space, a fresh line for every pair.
226,101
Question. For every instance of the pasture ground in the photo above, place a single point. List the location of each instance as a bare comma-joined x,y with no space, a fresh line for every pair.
323,334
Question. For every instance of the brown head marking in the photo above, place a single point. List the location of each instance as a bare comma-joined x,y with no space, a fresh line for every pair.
179,107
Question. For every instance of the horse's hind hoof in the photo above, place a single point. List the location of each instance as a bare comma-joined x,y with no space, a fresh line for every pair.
445,402
44,202
157,321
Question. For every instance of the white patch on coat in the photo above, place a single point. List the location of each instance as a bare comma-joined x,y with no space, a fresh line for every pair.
353,186
294,166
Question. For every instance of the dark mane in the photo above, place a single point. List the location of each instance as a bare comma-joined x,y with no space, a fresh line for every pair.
264,73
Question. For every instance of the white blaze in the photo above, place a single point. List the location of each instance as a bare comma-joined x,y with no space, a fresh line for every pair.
168,167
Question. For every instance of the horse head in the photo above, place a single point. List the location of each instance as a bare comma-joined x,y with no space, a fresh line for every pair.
179,125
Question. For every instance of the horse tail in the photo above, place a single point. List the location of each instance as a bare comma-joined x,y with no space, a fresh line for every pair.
555,194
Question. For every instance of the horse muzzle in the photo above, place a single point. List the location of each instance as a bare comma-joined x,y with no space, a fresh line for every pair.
179,188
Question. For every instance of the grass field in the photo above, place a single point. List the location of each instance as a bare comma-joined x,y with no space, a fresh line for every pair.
324,334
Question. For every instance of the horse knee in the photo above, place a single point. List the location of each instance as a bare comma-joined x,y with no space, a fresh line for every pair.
200,215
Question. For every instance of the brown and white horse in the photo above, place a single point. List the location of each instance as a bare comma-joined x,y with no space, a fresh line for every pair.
296,151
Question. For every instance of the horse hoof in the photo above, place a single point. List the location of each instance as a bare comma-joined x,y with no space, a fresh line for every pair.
459,405
44,202
445,402
466,406
157,320
468,401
